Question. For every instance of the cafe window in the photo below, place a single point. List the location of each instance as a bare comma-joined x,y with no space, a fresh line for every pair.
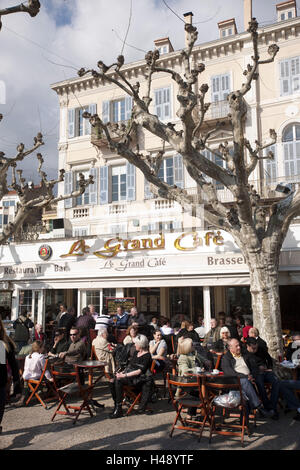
25,301
179,300
239,296
93,297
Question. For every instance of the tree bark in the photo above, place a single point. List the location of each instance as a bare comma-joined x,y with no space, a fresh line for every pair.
264,290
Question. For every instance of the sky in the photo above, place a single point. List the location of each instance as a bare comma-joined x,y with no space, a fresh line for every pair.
69,34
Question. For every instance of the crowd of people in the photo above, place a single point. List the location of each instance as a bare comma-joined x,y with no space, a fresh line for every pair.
148,347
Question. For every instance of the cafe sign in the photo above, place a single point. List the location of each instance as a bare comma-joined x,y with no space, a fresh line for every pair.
188,241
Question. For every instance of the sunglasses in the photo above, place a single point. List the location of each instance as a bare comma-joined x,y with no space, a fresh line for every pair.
74,334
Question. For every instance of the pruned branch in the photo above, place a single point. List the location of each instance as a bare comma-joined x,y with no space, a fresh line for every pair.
32,7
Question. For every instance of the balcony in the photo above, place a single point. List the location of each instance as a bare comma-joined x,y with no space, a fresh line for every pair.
163,204
80,213
117,209
217,110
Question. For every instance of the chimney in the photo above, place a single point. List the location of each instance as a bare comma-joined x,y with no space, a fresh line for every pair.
247,13
188,19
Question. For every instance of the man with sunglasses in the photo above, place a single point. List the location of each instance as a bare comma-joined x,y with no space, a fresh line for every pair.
77,350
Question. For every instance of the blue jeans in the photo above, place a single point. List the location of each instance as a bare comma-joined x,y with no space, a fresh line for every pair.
287,388
260,380
250,393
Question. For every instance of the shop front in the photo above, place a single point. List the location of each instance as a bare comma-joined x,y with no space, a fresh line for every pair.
173,274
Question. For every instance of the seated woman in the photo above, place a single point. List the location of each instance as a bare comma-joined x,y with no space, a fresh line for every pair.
188,361
34,366
137,373
131,335
222,344
158,350
60,344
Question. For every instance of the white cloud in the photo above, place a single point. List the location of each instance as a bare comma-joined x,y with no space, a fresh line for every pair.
79,33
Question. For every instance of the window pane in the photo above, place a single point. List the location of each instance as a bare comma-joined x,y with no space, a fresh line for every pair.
123,187
288,134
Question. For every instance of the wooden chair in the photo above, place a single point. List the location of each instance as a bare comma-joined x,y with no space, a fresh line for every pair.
216,386
73,388
35,386
187,384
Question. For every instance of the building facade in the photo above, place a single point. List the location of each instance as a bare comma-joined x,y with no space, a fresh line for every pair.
191,277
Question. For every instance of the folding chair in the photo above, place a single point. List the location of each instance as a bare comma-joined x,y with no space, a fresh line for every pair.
72,388
187,384
35,386
132,395
219,385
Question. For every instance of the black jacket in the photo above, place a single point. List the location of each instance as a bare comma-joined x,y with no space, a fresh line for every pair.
67,321
228,363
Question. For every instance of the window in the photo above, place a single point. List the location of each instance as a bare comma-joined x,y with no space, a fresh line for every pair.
218,161
0,220
289,76
220,85
77,125
25,301
287,15
270,166
117,110
162,103
118,183
163,49
80,232
291,150
8,203
171,172
118,228
5,219
71,183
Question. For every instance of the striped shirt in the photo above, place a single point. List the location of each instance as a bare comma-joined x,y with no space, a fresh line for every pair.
103,321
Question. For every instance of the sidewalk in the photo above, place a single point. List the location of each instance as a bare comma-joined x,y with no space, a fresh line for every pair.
31,429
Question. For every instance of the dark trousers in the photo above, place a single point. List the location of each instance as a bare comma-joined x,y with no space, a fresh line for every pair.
269,377
145,386
2,402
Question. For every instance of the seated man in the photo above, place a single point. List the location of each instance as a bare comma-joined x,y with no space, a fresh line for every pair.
158,350
263,374
60,343
77,350
122,318
213,334
235,363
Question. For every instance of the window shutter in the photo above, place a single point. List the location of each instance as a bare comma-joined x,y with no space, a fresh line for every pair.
158,104
68,188
71,123
178,171
167,104
285,88
271,165
105,111
92,109
215,89
295,74
147,193
130,182
103,185
93,188
128,107
225,84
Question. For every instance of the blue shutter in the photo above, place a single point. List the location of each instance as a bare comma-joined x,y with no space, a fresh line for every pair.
103,185
68,188
285,77
105,111
147,193
130,182
93,188
71,123
128,107
178,171
158,104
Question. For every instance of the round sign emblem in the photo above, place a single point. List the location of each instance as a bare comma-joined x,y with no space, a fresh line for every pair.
45,252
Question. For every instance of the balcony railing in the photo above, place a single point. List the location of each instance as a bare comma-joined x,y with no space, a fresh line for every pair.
80,213
117,209
217,110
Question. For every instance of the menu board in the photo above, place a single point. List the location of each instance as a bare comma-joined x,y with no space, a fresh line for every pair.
112,303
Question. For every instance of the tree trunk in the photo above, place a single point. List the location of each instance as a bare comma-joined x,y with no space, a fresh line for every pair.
266,302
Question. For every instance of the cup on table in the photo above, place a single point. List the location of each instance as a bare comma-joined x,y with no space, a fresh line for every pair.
215,371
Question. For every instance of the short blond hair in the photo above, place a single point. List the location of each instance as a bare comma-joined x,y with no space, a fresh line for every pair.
185,345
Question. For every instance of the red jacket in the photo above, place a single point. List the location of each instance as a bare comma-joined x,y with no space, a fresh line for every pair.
246,331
